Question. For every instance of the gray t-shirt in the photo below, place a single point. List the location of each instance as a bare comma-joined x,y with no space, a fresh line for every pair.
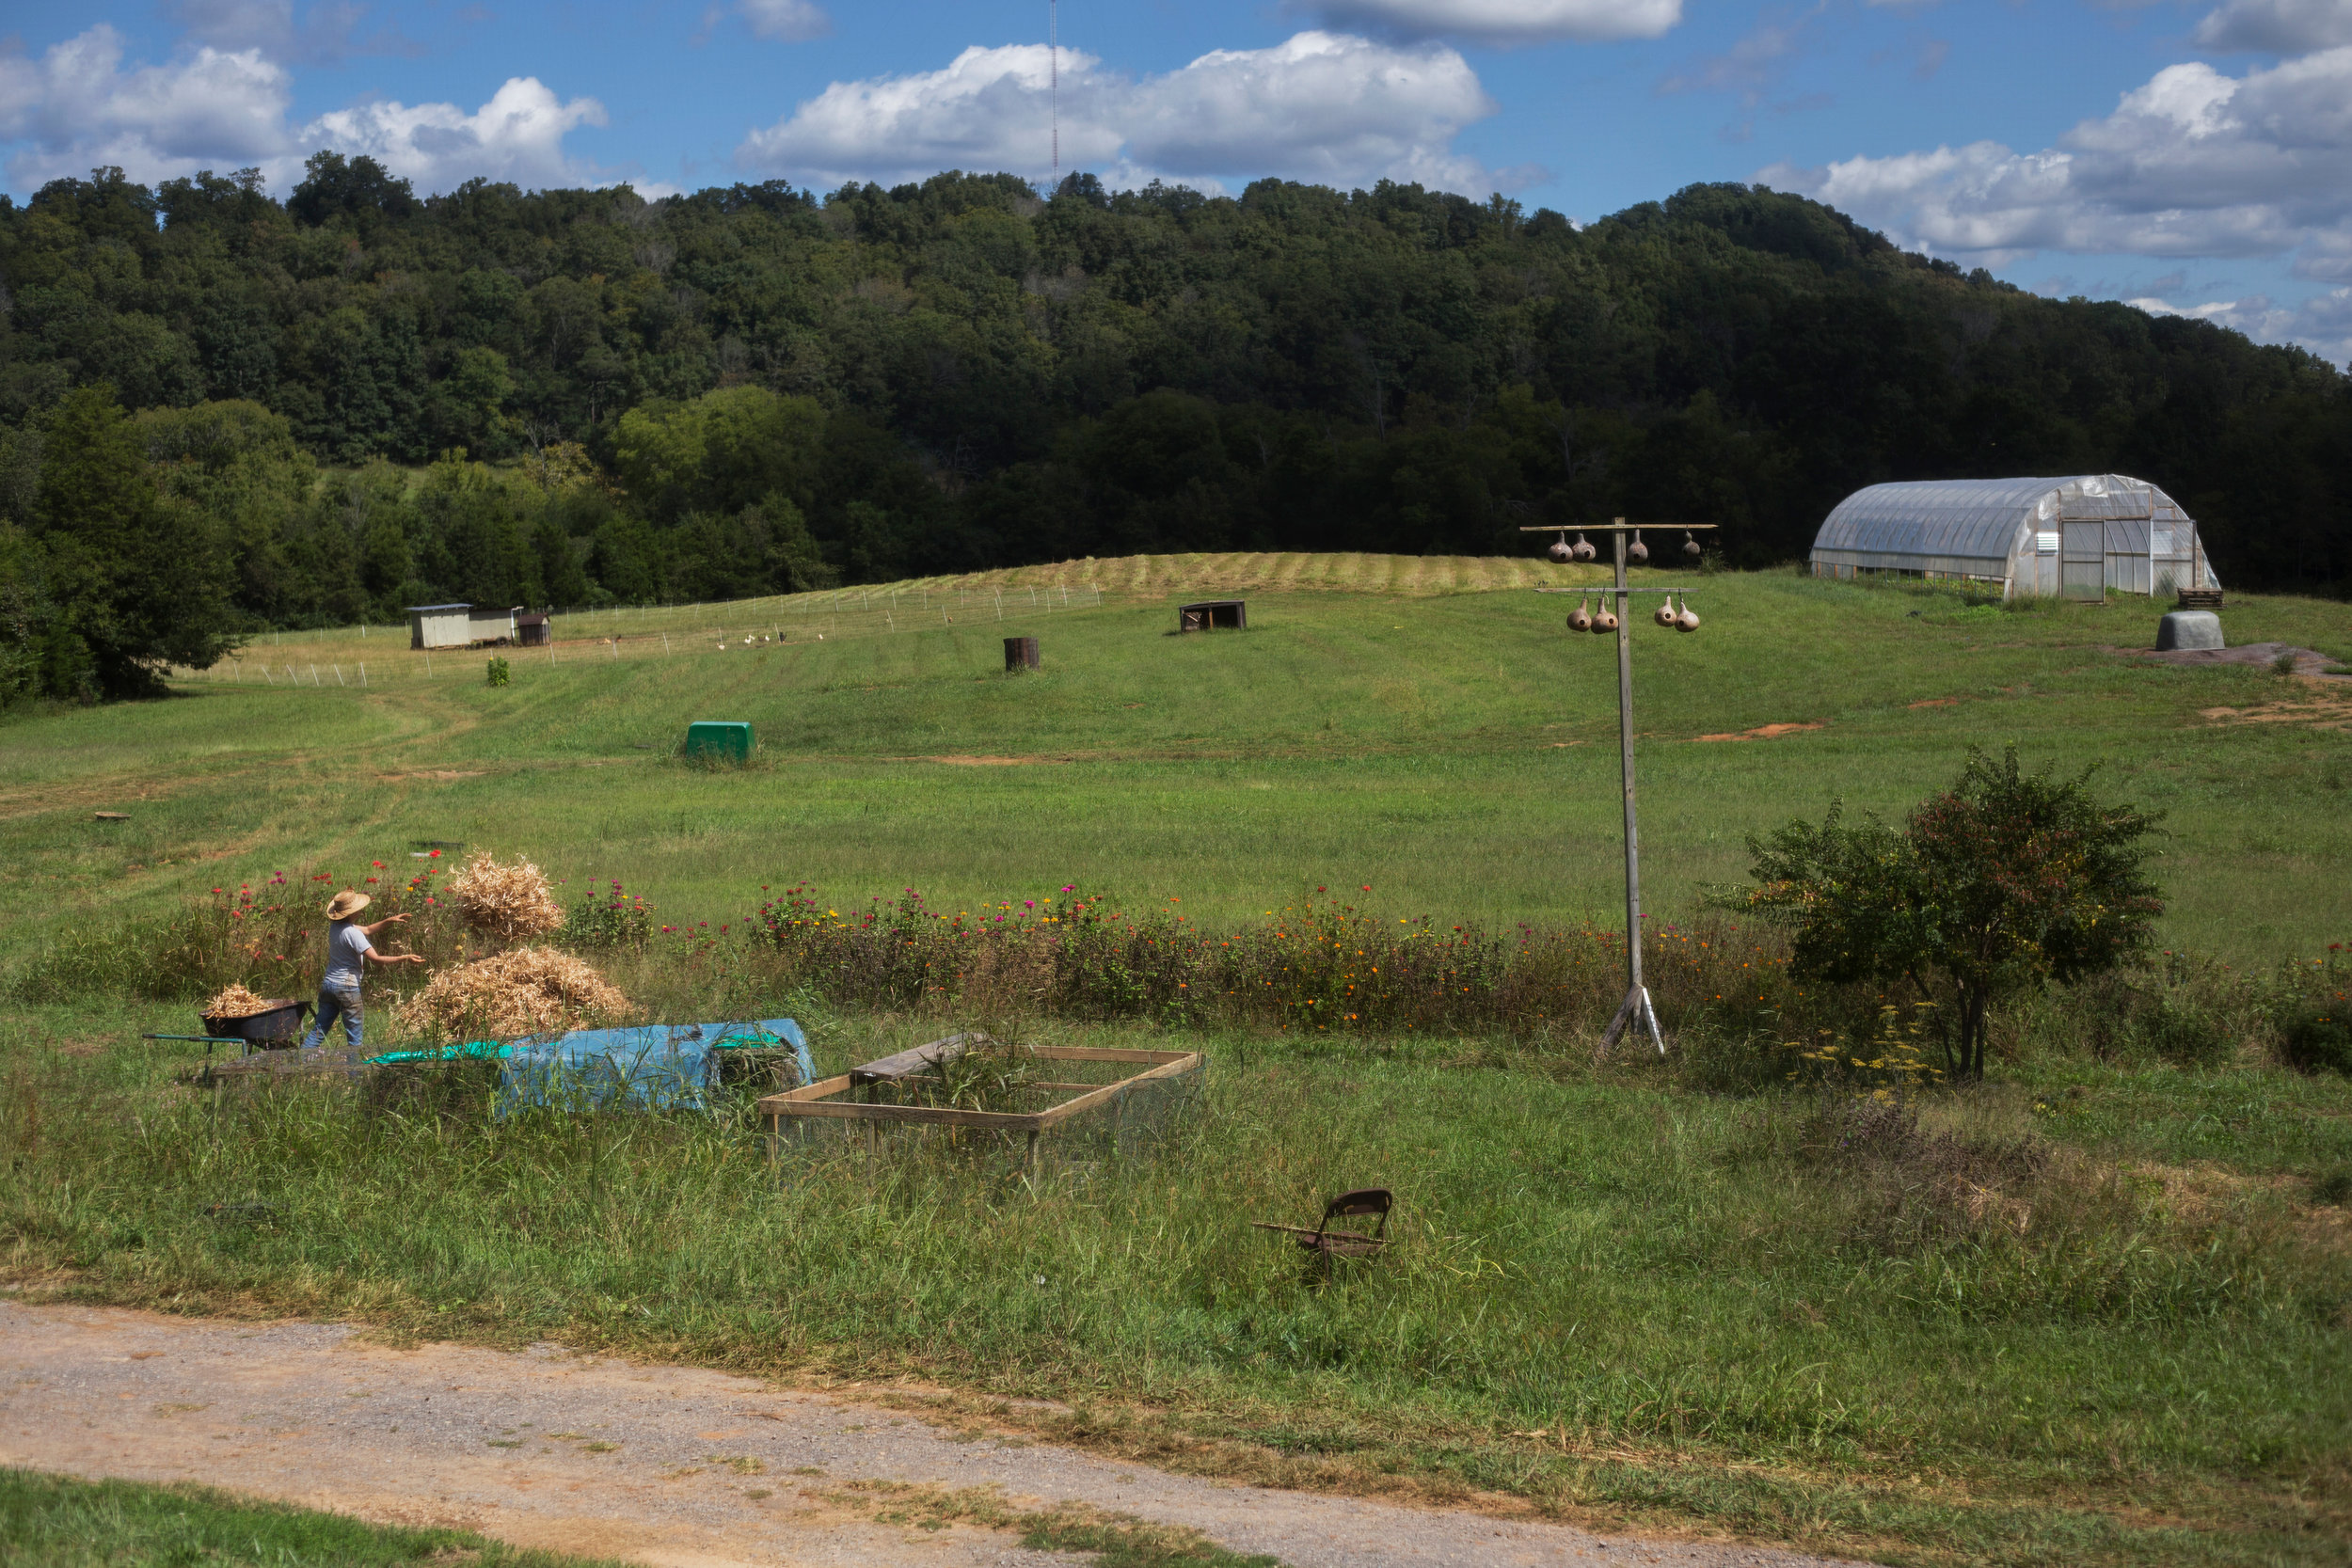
346,953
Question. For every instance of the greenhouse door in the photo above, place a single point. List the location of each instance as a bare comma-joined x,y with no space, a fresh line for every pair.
2083,561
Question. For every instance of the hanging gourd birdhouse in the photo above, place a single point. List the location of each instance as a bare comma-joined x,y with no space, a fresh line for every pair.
1583,550
1579,619
1637,552
1606,621
1688,619
1665,612
1690,544
1559,550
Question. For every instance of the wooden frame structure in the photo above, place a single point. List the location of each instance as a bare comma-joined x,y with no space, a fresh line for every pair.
807,1108
1210,614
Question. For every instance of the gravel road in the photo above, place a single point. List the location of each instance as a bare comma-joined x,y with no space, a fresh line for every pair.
664,1466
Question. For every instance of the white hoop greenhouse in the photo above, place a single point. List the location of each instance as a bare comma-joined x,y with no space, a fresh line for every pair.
2070,538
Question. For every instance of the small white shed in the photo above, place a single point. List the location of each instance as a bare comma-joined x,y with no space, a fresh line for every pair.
492,626
441,626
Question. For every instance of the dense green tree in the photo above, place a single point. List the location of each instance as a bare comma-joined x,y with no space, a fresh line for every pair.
359,189
720,451
118,577
624,556
477,540
766,389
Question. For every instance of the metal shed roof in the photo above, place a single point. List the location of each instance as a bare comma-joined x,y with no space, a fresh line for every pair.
421,609
1978,519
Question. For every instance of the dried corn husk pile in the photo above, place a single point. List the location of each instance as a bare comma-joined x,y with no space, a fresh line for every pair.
529,990
505,903
236,1002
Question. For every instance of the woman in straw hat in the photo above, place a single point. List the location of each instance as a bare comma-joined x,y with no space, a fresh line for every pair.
349,946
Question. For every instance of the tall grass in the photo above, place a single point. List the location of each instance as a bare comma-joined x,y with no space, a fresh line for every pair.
1792,1282
58,1522
1322,969
1782,1259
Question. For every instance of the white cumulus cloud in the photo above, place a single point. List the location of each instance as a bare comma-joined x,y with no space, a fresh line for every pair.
2195,162
80,106
2326,256
2276,27
1321,107
1504,22
2322,323
517,136
77,107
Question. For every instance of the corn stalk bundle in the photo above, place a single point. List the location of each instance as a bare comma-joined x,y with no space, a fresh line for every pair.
236,1002
506,903
531,990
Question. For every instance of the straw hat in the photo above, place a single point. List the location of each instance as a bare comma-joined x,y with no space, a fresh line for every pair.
346,904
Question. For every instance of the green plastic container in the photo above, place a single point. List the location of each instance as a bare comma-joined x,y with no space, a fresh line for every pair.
719,740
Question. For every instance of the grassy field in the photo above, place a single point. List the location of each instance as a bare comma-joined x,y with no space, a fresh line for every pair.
1456,751
54,1522
60,1522
2094,1312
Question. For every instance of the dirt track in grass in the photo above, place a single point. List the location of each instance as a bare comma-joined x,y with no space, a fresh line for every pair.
660,1464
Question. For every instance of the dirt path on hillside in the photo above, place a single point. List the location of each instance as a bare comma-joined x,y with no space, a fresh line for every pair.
663,1464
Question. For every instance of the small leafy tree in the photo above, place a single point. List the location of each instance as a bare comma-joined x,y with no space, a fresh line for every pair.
122,580
2005,881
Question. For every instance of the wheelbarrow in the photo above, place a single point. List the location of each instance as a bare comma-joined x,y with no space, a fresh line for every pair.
276,1028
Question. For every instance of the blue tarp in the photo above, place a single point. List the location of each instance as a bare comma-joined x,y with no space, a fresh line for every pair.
655,1066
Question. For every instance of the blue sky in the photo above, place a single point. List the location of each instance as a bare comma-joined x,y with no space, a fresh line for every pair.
2187,155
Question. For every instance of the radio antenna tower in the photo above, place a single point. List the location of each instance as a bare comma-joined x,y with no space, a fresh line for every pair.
1053,96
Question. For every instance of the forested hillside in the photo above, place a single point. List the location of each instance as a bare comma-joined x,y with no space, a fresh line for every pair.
754,388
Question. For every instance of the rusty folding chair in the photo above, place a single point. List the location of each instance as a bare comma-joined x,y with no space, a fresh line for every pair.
1326,1243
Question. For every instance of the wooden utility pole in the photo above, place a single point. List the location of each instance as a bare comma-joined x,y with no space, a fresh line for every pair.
1636,1010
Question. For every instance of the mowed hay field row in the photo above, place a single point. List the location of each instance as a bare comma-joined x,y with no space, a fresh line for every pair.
350,657
1454,753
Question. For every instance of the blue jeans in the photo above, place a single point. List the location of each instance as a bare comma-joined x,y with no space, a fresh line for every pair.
332,1001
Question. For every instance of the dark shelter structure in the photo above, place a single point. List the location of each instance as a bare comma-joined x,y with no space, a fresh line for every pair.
1214,614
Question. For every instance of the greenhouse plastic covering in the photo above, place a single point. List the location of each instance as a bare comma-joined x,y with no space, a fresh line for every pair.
650,1066
1979,522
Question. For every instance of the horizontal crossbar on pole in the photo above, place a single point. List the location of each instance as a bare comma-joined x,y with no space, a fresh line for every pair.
1606,588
